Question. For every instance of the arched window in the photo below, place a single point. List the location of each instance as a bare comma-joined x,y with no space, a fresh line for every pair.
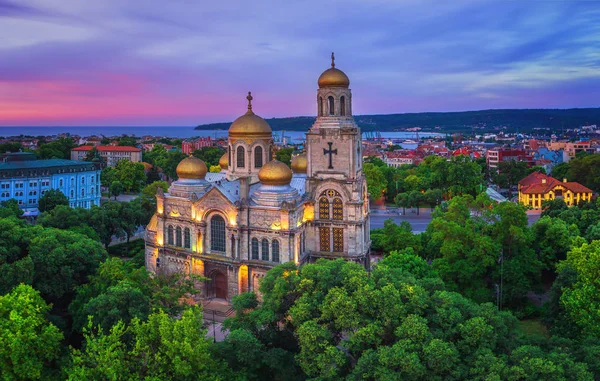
217,233
60,182
324,239
157,262
343,106
186,238
324,208
338,209
241,162
331,106
338,240
255,248
258,157
275,251
82,192
229,156
265,249
320,106
178,241
170,235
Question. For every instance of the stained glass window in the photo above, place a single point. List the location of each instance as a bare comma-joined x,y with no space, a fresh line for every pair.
217,234
178,241
338,209
258,157
324,208
255,248
275,251
186,238
170,235
241,162
338,240
265,249
324,239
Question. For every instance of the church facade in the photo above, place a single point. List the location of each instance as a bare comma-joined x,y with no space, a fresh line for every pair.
232,227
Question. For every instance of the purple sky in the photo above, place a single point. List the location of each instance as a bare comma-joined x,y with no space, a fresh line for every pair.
186,62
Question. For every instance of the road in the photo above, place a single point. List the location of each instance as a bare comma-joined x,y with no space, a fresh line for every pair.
419,222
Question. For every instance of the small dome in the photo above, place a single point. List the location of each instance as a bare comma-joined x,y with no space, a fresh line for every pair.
224,161
250,125
191,168
299,164
333,77
275,173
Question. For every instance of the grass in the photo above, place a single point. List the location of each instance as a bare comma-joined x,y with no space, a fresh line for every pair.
533,328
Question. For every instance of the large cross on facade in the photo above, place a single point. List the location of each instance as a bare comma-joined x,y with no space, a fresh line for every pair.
330,152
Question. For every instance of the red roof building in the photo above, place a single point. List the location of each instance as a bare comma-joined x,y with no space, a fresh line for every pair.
112,154
538,187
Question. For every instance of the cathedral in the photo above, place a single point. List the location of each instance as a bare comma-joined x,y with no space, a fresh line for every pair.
232,227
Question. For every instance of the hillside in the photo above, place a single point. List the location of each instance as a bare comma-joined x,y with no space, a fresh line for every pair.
489,120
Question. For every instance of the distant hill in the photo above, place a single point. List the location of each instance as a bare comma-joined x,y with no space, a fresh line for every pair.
524,120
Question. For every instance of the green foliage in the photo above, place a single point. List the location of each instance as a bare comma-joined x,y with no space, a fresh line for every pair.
51,199
582,299
58,149
396,323
210,155
284,155
167,161
161,348
11,147
116,188
376,182
129,141
10,208
395,237
29,343
509,173
130,175
148,197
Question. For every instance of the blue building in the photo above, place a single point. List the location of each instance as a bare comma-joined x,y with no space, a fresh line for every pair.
26,179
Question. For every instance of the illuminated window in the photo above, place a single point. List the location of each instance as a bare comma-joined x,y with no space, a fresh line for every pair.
258,157
338,209
255,248
186,238
324,208
338,240
241,162
324,239
178,241
320,106
217,233
265,249
170,235
275,251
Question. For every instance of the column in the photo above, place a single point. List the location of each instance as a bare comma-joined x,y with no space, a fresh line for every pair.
250,283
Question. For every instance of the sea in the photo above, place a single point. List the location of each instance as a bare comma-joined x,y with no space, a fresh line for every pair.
168,131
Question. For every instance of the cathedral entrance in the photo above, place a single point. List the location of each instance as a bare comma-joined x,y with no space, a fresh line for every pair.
219,283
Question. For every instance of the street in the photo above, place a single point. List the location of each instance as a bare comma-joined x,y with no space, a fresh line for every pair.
419,222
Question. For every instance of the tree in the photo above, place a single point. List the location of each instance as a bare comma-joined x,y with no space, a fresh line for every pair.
63,260
10,208
92,154
214,169
51,199
552,240
132,216
73,219
106,221
131,175
582,299
210,155
148,197
116,188
376,181
129,141
161,348
58,149
284,155
30,343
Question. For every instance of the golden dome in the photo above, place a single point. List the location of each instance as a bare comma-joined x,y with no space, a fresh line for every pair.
250,126
299,164
191,168
275,173
224,161
333,77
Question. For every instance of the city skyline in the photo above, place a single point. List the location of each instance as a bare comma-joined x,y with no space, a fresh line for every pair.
109,63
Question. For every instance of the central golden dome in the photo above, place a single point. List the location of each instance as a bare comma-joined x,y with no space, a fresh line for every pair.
333,77
250,126
299,163
224,161
275,173
191,168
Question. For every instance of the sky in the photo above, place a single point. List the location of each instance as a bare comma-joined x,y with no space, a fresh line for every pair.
187,62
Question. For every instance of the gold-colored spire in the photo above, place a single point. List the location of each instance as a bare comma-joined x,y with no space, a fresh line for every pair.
332,59
249,98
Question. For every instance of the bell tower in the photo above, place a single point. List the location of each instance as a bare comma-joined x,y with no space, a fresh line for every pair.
335,179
